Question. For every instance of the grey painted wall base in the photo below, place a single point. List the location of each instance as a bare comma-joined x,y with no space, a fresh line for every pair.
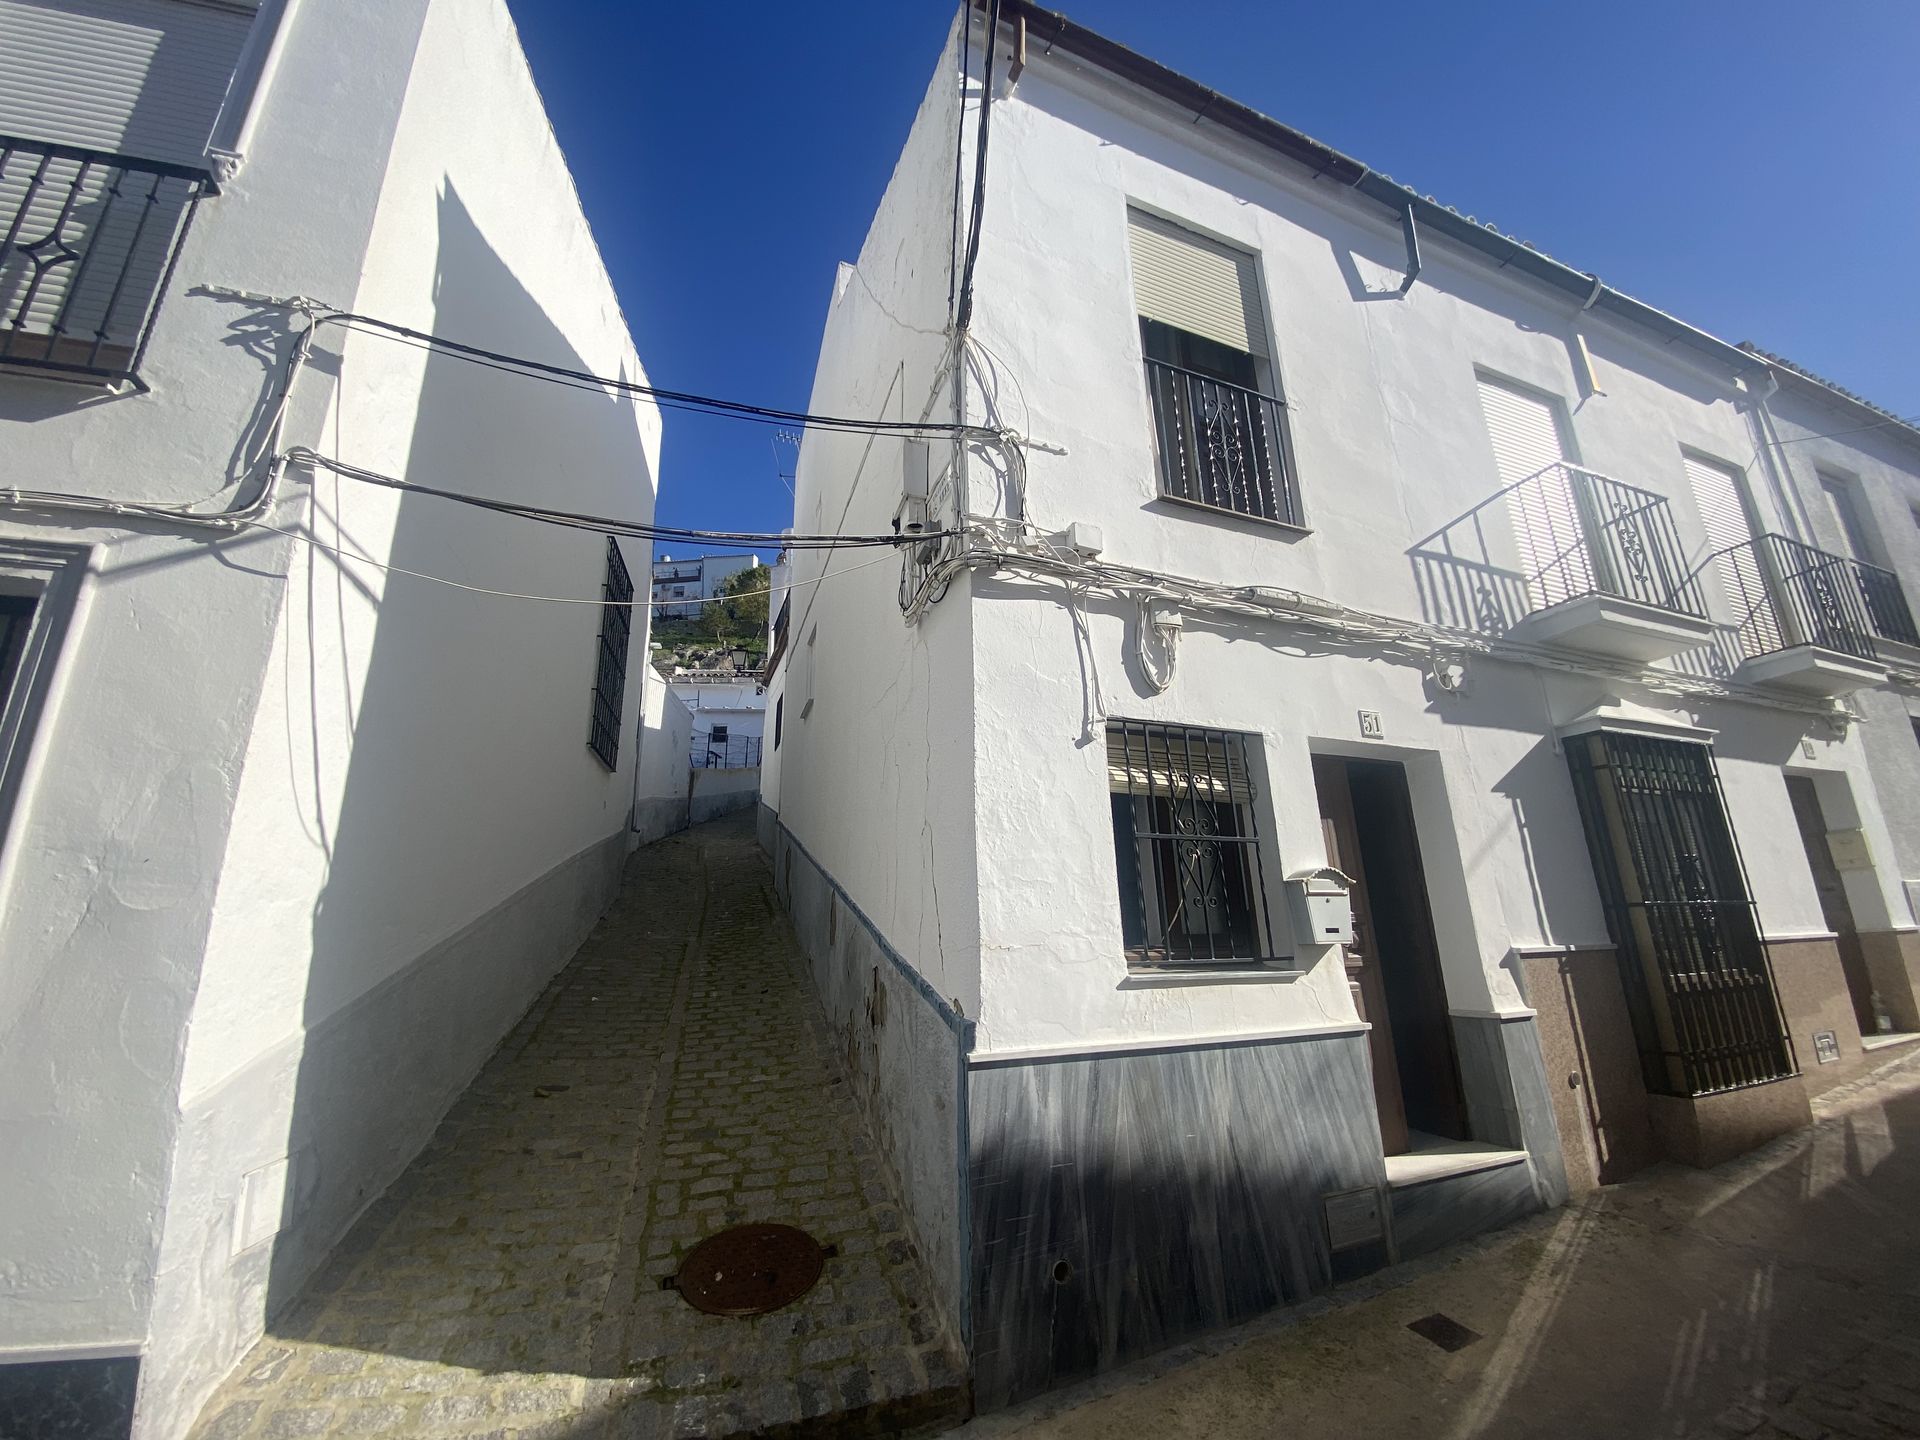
655,819
1439,1212
1123,1202
1504,1076
68,1399
903,1049
366,1086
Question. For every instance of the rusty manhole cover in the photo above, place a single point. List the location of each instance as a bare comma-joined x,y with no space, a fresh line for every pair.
750,1269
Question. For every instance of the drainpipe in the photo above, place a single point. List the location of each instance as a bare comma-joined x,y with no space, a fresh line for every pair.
1412,234
252,78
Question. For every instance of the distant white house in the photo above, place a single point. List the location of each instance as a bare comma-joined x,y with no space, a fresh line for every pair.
679,586
288,838
729,716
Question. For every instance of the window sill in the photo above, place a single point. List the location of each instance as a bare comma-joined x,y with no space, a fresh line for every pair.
1265,972
1289,527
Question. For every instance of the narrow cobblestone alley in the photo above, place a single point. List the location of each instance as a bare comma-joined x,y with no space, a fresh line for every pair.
673,1080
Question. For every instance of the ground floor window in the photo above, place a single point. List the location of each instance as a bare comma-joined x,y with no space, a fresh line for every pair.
1186,845
16,619
1699,988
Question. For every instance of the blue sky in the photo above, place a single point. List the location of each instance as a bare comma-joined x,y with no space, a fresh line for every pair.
1751,167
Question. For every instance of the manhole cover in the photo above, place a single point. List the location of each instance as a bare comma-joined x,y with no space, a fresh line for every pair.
750,1269
1445,1331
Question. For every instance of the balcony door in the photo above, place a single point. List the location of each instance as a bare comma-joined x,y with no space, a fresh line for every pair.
1530,451
1720,495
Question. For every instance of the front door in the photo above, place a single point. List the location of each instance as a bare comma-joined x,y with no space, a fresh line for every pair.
1393,964
1834,906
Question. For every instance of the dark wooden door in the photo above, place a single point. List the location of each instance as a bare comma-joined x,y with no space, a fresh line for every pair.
1835,908
1363,969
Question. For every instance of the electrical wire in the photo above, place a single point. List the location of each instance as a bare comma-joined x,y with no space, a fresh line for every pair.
609,525
672,399
963,313
318,544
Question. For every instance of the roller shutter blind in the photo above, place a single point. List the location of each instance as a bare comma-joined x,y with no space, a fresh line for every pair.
1717,492
1151,759
1853,534
1195,284
1526,436
136,77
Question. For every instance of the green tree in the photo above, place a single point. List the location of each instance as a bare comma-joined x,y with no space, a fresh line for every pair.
740,613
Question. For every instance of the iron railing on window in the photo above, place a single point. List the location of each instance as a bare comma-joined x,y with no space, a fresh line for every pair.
88,242
1785,593
1221,445
1700,989
1582,533
610,674
1186,847
1886,603
739,752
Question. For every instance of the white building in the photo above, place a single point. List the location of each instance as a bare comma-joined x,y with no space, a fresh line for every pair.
729,716
692,579
1309,526
288,839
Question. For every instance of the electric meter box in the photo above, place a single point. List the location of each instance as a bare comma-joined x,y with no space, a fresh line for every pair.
1321,905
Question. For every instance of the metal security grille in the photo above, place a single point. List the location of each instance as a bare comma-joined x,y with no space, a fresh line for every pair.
1186,846
610,680
1698,983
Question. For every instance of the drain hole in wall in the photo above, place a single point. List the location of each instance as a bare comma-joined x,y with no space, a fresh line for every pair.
1062,1272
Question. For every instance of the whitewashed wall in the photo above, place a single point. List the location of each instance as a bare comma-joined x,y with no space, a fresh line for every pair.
365,766
874,771
660,788
109,867
1393,460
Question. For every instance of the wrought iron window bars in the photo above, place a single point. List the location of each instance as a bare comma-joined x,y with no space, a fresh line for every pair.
1186,846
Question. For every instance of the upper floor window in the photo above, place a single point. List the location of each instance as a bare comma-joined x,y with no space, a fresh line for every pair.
1217,413
106,109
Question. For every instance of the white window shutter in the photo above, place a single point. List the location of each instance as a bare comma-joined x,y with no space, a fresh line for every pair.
1718,493
1195,284
135,77
1526,437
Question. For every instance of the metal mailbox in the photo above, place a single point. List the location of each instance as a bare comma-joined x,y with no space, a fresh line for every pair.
1321,905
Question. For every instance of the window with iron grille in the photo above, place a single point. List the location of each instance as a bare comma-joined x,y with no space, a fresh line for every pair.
1218,419
610,678
16,619
1699,988
1186,846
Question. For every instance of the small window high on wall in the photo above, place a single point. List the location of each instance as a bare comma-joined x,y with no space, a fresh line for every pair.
1219,420
610,675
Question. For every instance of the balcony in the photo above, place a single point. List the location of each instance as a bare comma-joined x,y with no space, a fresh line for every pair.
1604,568
1807,618
88,242
1222,446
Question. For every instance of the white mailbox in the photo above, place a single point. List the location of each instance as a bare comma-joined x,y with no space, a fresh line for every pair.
1321,904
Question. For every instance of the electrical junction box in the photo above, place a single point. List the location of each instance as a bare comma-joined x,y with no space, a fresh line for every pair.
1085,539
917,479
1320,903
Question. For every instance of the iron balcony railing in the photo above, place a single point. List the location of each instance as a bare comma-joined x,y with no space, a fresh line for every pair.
1886,603
88,242
1785,593
1221,445
741,752
1582,533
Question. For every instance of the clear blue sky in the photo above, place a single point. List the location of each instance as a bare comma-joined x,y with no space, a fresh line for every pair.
1752,167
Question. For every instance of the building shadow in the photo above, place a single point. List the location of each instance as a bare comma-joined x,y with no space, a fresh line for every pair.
467,785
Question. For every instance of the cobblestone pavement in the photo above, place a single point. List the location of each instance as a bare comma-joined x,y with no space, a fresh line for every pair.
675,1079
1775,1298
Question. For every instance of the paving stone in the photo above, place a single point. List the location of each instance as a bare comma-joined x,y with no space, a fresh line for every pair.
681,1060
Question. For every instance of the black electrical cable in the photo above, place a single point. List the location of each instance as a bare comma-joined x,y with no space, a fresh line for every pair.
672,399
606,525
964,313
959,150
